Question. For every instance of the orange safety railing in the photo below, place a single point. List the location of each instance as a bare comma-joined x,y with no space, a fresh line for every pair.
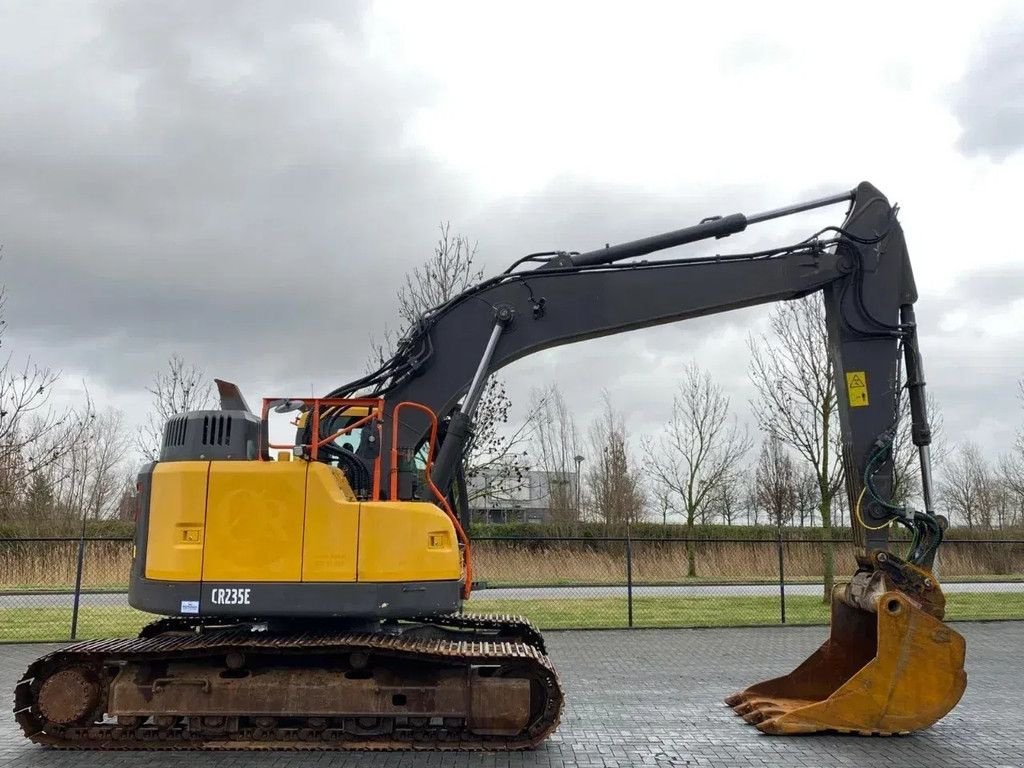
441,500
375,411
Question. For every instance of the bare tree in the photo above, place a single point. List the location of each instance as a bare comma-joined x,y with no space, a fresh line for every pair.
1010,471
128,498
448,272
615,494
179,388
40,503
109,451
905,455
750,499
35,435
806,501
1001,501
724,504
87,481
775,481
664,498
967,486
494,455
697,451
796,401
496,458
556,444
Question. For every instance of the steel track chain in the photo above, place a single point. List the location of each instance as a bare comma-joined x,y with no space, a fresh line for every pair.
518,626
521,627
530,659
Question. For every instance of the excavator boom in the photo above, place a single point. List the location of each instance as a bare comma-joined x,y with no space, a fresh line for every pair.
862,269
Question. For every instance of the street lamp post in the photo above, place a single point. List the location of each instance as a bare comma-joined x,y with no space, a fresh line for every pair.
579,460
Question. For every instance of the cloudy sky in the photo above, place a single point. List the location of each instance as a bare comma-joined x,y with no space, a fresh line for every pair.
245,183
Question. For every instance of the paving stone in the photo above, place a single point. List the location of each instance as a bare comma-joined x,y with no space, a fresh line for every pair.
654,698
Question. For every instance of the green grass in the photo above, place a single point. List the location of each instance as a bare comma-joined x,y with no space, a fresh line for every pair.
18,589
47,624
611,612
964,606
705,581
44,624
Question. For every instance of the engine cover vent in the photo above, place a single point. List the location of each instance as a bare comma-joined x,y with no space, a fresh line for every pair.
174,432
217,430
205,435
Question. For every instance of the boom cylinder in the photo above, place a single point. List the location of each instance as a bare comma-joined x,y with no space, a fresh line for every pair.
460,424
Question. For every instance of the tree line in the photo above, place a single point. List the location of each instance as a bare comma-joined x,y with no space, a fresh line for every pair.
66,466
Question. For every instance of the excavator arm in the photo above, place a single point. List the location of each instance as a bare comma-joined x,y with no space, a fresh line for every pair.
861,267
890,664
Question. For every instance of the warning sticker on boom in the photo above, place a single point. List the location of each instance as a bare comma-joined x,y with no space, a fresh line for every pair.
857,388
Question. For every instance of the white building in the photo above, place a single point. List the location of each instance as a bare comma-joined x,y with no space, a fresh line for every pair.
497,497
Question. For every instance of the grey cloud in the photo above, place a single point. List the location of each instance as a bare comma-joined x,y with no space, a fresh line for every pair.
224,178
989,100
986,290
972,363
235,182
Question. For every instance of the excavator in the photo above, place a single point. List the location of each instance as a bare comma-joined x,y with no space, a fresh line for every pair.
311,588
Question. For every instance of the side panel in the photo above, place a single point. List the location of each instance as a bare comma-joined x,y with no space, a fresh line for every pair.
332,526
176,521
254,521
406,541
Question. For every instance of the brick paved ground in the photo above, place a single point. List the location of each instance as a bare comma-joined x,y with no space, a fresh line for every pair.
653,697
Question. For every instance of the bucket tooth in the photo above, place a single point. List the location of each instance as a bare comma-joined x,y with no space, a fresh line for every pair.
895,670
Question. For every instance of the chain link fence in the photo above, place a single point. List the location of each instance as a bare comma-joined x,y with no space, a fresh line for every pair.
54,589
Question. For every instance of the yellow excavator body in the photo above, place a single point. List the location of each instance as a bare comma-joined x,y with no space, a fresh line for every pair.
288,522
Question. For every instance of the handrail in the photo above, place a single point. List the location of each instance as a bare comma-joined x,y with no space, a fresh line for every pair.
375,406
343,431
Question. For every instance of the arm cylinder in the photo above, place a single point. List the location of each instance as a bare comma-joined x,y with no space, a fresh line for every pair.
717,226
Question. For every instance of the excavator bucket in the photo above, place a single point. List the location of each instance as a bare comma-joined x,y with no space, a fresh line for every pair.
895,670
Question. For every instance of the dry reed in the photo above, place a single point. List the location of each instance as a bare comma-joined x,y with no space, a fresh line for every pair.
29,565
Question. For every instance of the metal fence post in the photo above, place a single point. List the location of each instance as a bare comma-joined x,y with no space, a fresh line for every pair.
782,580
629,579
78,585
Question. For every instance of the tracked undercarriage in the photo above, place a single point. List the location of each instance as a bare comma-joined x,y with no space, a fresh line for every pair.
457,682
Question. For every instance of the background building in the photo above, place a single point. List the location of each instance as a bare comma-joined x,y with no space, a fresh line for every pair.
524,498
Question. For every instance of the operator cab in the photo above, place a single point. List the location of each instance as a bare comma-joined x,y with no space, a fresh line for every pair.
348,439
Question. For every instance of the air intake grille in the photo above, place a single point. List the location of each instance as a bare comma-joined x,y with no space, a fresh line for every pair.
216,430
174,432
211,436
